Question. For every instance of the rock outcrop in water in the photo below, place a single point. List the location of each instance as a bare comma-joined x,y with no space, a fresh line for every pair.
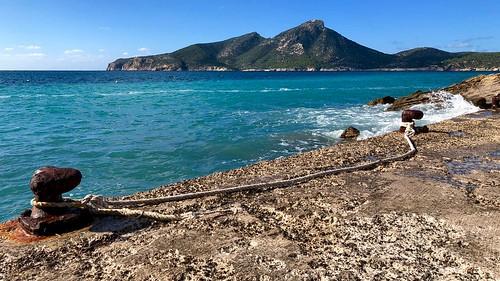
350,133
384,100
310,46
479,90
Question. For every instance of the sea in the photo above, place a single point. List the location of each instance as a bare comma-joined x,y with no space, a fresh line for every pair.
133,131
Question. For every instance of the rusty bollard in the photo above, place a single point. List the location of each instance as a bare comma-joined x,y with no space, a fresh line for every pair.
409,115
48,184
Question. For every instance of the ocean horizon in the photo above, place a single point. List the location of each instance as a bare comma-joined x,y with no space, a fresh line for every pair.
133,131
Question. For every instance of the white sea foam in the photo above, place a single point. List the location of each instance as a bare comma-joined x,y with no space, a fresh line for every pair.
64,95
451,106
267,90
374,120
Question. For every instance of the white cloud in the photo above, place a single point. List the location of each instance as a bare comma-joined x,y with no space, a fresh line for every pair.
31,47
36,55
8,49
32,55
73,52
469,44
125,53
460,45
101,50
143,49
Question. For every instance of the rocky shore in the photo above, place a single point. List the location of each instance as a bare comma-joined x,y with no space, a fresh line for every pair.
478,90
432,217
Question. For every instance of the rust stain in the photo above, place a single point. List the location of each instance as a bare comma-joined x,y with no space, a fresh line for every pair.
12,231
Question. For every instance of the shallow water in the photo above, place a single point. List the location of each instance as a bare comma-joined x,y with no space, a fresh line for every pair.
129,132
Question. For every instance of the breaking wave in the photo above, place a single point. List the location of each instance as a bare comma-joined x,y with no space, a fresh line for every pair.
375,120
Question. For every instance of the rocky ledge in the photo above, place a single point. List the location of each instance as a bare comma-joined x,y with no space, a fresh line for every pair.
479,90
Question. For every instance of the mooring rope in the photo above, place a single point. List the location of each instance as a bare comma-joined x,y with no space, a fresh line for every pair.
99,205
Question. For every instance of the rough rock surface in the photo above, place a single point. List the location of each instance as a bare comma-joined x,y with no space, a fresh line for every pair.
433,217
479,90
476,88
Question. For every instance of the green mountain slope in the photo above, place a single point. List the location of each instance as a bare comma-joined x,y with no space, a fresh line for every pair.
474,61
309,46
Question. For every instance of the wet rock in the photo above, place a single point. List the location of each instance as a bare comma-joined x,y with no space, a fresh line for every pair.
350,133
417,97
421,130
49,183
481,103
384,100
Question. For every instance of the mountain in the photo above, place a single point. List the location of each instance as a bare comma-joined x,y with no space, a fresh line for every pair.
309,46
421,57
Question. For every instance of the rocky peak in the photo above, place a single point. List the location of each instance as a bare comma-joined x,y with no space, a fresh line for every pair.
310,28
253,34
313,25
295,40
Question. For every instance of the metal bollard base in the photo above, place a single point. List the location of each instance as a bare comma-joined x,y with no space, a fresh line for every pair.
57,221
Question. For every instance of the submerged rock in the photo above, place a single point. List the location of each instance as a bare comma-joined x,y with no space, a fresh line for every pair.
384,100
350,133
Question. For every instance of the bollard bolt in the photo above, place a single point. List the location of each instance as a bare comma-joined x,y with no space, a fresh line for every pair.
49,183
409,115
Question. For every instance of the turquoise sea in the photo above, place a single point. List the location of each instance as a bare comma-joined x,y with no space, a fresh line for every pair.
132,131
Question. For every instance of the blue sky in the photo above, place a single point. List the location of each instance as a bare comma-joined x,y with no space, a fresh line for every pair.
87,34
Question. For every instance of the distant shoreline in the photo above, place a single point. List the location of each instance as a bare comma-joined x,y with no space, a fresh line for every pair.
320,70
259,70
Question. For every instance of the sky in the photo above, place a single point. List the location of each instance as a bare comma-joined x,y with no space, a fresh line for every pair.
88,34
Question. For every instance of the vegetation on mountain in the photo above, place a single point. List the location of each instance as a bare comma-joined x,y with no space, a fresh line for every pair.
309,46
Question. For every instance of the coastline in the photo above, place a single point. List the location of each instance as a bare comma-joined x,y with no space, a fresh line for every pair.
224,69
437,210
